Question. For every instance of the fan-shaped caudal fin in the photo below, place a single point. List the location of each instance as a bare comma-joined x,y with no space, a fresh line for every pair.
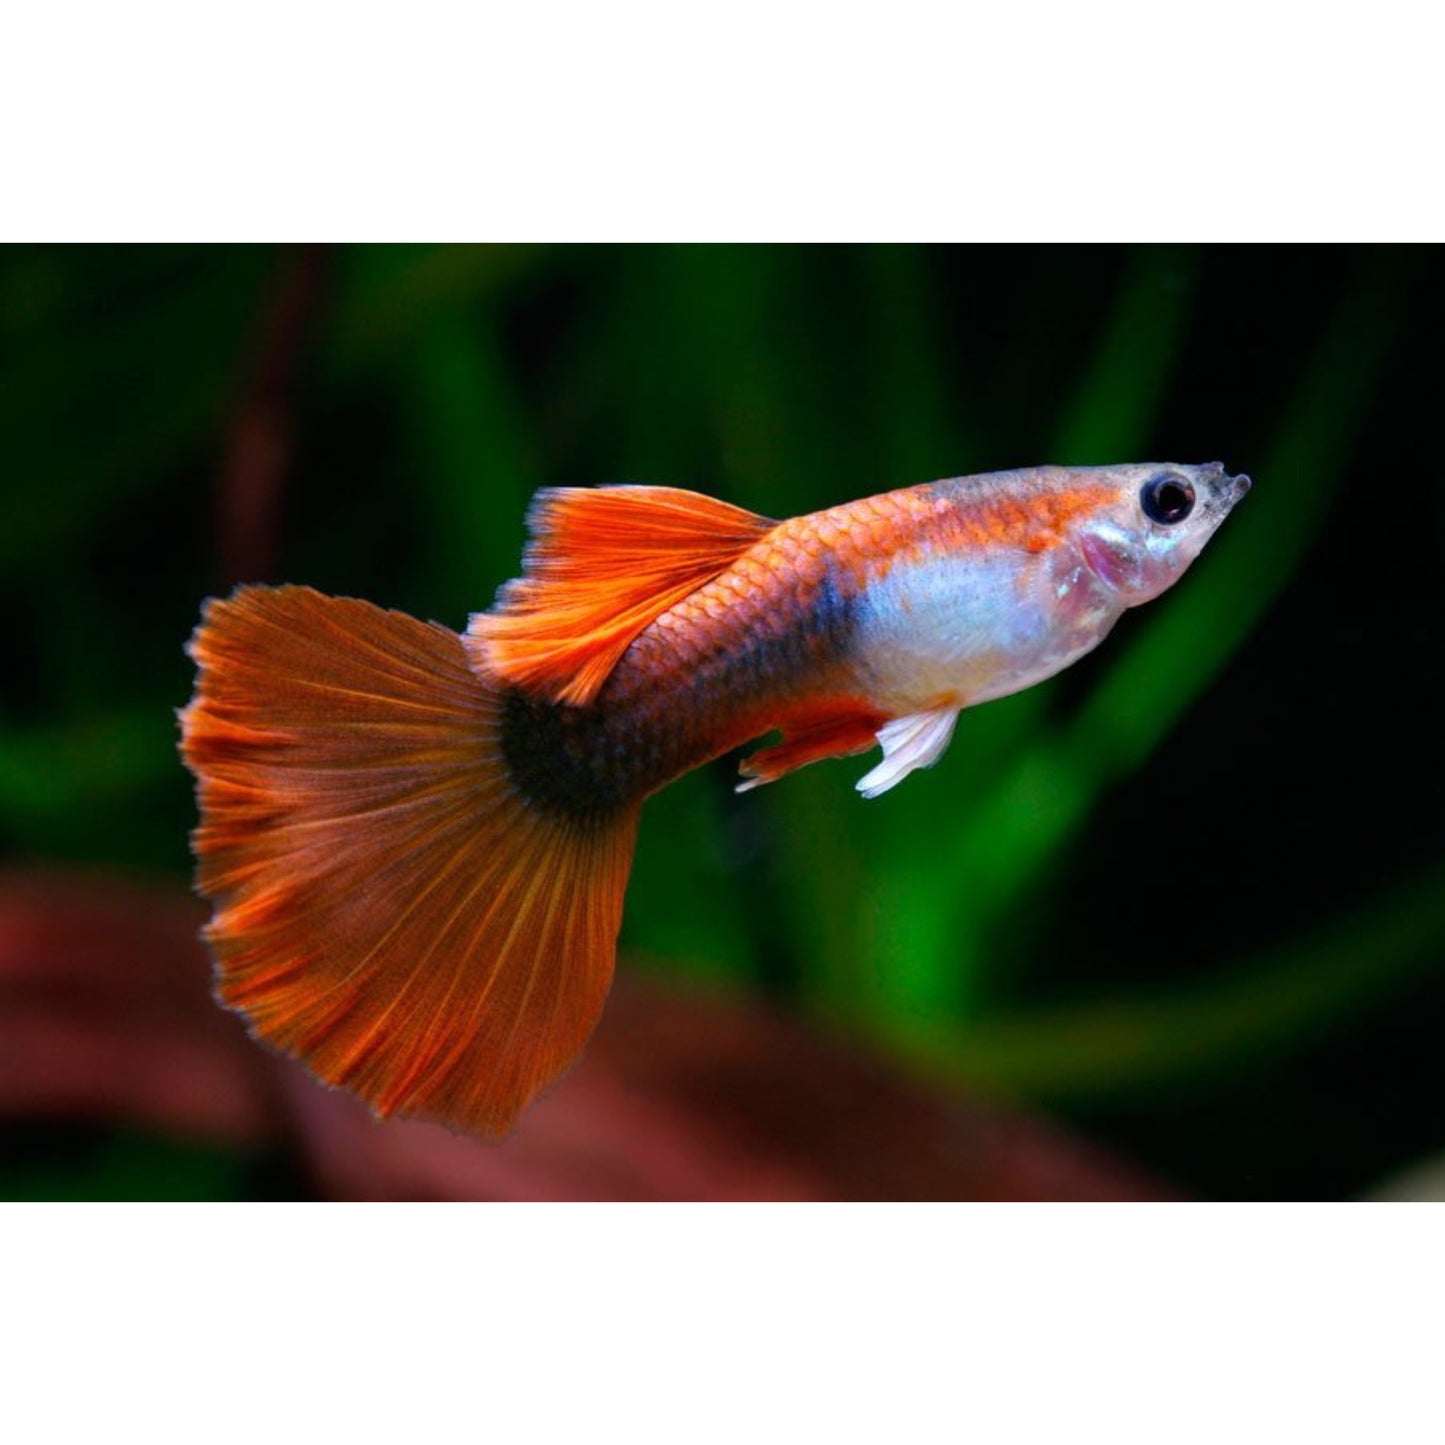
387,909
602,565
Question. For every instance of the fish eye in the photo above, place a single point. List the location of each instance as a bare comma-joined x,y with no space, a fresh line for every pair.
1167,499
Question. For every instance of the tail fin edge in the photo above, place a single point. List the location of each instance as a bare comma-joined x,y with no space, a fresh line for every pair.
387,908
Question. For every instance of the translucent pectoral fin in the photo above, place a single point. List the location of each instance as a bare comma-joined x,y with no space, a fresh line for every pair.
915,741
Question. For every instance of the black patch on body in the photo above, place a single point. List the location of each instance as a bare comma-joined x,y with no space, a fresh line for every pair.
588,762
560,757
777,664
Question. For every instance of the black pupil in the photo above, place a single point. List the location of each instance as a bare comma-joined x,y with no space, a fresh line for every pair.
1168,499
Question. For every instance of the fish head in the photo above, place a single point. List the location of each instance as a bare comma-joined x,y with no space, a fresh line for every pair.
1154,523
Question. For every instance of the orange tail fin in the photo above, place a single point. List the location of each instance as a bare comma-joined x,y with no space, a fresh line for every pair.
603,564
387,908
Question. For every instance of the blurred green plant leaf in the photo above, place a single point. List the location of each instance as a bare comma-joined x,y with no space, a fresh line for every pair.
995,858
475,467
130,1166
903,961
94,762
387,296
104,409
1280,999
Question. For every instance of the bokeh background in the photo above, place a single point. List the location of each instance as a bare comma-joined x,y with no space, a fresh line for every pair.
1172,923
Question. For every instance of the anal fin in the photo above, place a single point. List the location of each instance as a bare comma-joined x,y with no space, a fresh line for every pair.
838,731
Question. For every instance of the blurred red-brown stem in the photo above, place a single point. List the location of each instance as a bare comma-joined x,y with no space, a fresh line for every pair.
106,1017
260,436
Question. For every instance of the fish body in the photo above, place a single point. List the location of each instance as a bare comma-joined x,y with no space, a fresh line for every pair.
418,843
923,600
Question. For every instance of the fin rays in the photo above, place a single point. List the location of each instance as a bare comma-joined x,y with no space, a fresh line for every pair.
915,741
841,730
603,565
387,908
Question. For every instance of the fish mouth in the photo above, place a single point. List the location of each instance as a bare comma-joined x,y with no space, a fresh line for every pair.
1218,491
1228,489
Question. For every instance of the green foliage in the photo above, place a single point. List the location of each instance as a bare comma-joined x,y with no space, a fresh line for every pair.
437,387
125,1166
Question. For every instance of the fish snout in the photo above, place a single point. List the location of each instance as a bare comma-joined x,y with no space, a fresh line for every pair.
1225,487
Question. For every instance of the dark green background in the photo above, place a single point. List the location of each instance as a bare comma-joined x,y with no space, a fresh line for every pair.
1189,896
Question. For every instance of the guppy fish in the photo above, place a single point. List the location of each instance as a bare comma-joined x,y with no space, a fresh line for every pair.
417,842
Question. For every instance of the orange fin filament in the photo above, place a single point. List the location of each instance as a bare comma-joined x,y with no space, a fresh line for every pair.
841,731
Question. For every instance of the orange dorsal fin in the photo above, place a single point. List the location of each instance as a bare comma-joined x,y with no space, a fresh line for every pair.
837,730
602,565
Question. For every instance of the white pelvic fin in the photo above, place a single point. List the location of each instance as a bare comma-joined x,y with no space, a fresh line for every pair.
915,741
